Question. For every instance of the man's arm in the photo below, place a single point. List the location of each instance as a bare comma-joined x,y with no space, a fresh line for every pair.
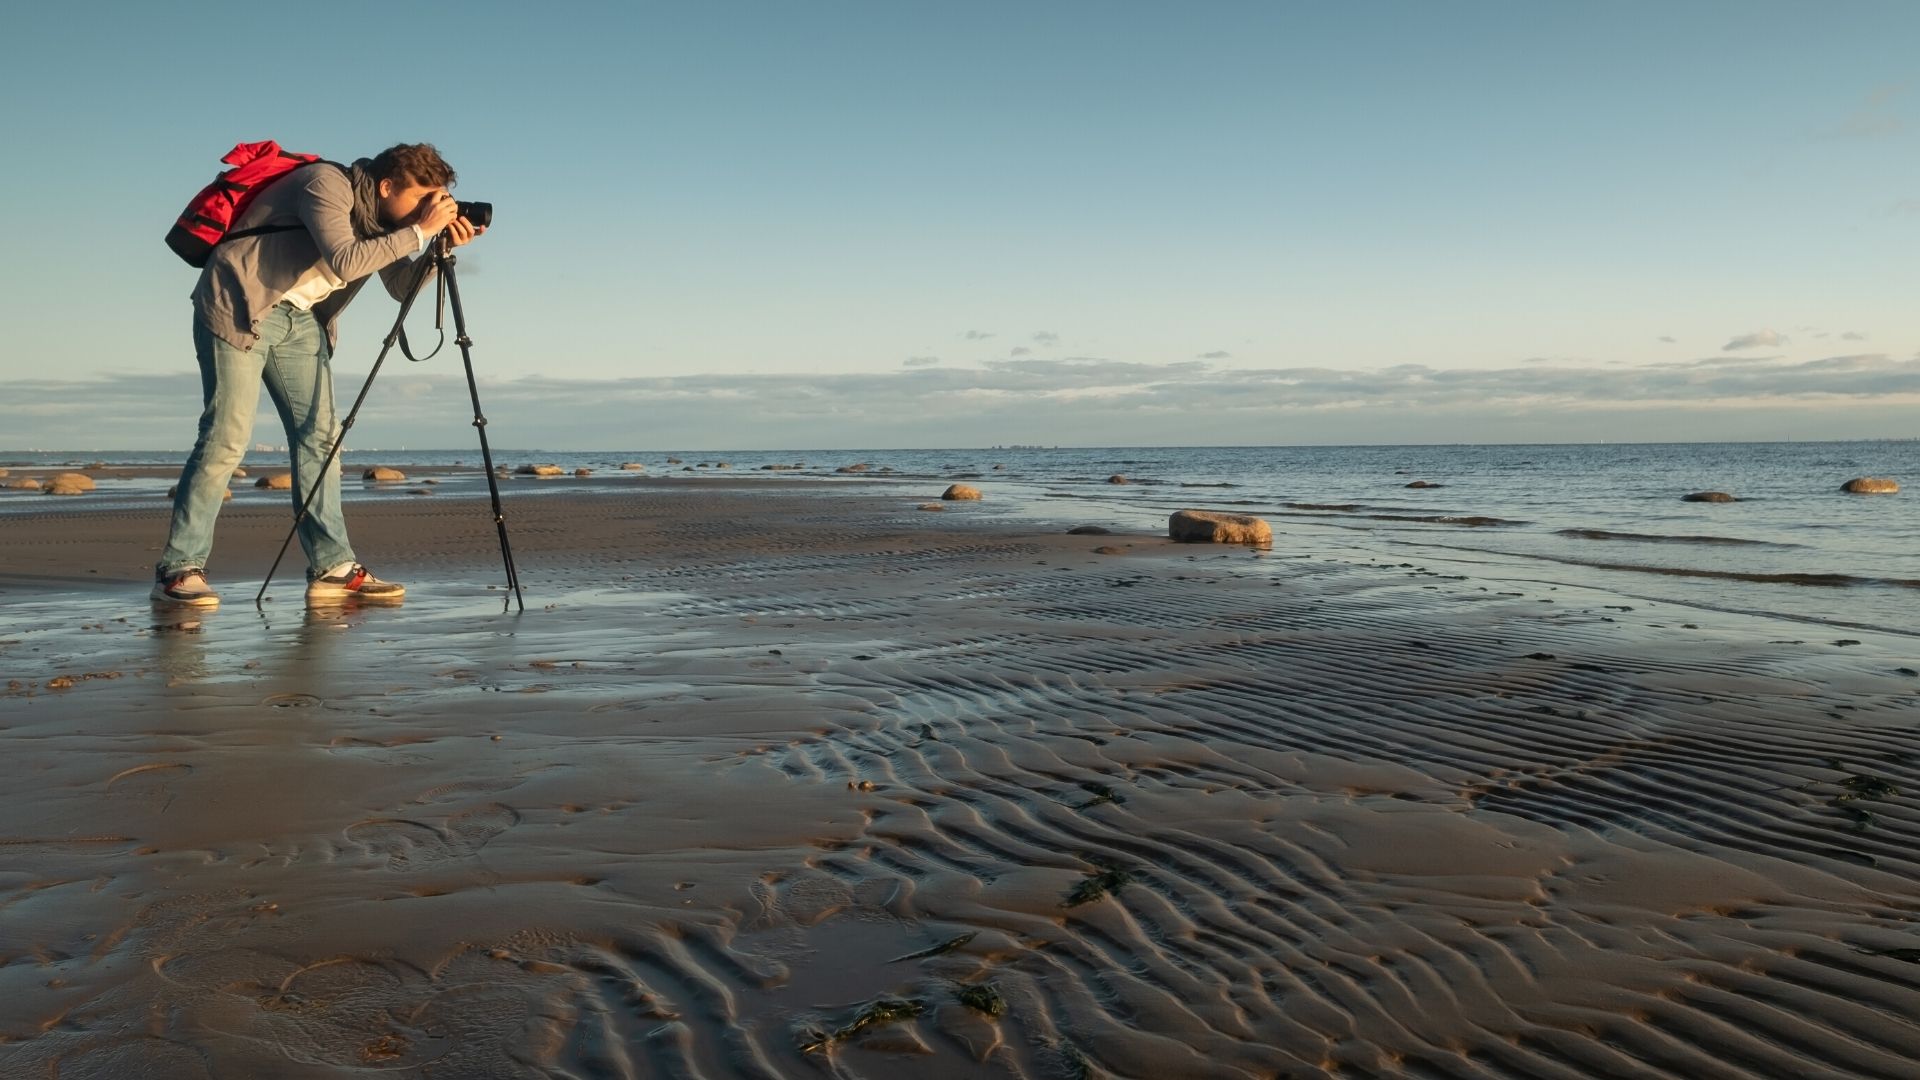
327,212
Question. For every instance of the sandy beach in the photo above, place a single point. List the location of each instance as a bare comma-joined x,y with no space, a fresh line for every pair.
799,780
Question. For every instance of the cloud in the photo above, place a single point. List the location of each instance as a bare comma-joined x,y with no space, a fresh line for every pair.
1853,335
1089,400
1217,354
1020,350
1905,208
1045,337
1667,340
920,361
1878,117
975,335
1755,340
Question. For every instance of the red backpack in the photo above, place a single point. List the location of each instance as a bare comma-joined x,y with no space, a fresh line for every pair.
212,212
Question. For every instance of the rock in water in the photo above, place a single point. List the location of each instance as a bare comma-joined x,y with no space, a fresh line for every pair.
931,506
1871,485
961,491
280,481
1116,478
1213,527
381,472
1708,496
1425,484
69,483
632,466
540,470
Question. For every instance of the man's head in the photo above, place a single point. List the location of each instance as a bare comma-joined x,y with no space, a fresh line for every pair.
405,175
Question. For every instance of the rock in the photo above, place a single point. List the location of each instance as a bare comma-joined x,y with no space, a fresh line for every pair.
1116,478
961,491
3,472
239,473
539,470
22,484
381,472
583,472
1088,530
69,483
225,496
1109,550
723,465
1425,484
280,481
420,491
1213,527
932,506
1708,496
1871,485
632,466
861,467
96,464
673,461
997,468
429,481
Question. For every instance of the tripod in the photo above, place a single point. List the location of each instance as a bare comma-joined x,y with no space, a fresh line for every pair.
440,260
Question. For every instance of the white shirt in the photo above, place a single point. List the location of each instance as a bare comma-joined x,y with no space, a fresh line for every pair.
315,285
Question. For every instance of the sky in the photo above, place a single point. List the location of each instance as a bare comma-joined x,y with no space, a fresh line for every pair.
867,224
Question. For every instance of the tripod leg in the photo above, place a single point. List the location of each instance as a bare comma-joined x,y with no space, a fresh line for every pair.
452,285
340,439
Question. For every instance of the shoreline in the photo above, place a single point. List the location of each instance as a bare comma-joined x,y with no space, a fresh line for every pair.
757,757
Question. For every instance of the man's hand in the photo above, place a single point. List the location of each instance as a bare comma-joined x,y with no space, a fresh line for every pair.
436,212
462,231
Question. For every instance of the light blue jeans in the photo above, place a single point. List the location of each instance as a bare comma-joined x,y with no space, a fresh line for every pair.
293,359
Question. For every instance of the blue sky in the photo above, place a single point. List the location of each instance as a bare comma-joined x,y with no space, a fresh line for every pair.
868,224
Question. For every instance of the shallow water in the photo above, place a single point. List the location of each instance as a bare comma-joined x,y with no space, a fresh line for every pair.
1607,515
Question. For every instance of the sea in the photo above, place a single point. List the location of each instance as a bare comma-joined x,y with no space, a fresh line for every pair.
1602,516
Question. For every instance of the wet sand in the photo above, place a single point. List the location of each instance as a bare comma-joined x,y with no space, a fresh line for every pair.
757,759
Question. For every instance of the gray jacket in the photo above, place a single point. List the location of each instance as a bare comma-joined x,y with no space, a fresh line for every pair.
248,275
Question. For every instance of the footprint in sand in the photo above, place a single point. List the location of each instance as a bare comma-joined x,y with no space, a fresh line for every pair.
412,845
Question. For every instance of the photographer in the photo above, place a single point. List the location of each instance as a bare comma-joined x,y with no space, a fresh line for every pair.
267,308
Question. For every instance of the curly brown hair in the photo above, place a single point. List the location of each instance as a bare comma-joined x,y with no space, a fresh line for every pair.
416,163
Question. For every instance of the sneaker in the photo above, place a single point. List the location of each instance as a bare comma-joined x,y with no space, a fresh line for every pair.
353,581
187,586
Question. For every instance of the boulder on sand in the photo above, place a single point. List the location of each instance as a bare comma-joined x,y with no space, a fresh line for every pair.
1708,496
961,491
69,483
381,472
540,470
280,481
1871,485
25,483
1213,527
931,506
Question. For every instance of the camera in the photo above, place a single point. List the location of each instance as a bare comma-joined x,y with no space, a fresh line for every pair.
478,214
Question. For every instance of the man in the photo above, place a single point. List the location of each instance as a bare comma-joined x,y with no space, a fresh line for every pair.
267,308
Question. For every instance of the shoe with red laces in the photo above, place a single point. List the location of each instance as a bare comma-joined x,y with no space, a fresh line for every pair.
353,581
187,586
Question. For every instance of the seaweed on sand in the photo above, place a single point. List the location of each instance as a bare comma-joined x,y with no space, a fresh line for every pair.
876,1013
1098,883
982,998
944,947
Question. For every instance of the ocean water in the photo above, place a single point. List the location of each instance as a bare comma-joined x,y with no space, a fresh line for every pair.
1605,515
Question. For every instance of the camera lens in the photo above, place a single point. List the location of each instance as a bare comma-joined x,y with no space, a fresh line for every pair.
480,214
